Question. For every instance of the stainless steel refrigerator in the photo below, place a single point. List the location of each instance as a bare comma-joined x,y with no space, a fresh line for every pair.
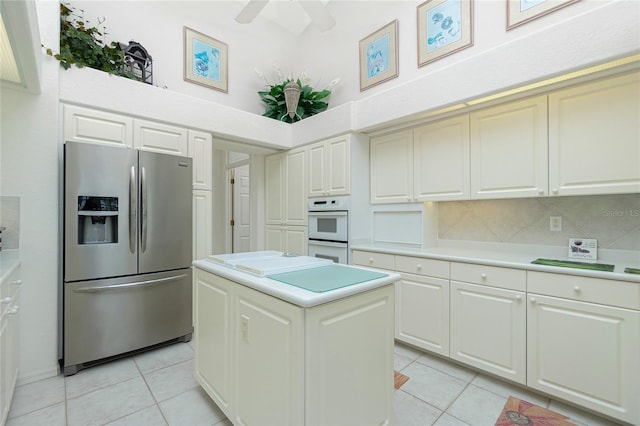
127,252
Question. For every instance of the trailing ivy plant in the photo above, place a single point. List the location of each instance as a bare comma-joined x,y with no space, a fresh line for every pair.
82,45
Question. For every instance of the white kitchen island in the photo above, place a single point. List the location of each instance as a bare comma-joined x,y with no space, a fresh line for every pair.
289,346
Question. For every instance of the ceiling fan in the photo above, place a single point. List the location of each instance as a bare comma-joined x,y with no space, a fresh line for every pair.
314,8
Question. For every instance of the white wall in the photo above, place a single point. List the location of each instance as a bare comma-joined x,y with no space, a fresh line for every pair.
30,156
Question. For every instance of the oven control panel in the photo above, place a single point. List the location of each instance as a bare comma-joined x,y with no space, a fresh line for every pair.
329,203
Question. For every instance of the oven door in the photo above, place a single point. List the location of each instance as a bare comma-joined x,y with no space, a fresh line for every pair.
329,226
338,252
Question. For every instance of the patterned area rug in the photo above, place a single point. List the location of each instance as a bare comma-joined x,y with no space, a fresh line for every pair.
519,412
399,379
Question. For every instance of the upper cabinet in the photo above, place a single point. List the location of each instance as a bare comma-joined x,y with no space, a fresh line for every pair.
285,186
200,148
159,137
441,160
594,138
391,167
95,126
509,150
329,167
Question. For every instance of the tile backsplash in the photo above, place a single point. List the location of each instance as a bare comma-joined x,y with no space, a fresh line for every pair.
10,219
614,220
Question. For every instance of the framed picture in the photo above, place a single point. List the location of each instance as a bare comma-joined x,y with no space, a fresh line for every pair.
206,60
444,27
379,56
522,11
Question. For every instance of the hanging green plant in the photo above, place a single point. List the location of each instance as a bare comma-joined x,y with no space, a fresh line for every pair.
311,102
81,44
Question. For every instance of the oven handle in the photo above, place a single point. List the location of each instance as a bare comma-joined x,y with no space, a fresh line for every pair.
328,213
325,243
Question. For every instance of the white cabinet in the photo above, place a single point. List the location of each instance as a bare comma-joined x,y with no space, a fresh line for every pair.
422,303
329,167
509,150
584,352
488,319
200,149
374,260
202,224
288,239
594,138
95,126
441,160
159,137
9,340
286,201
391,167
266,361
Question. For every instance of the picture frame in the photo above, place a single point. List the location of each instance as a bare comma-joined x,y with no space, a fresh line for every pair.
379,56
520,12
444,27
206,61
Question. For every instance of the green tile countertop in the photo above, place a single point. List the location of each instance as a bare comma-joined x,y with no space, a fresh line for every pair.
571,264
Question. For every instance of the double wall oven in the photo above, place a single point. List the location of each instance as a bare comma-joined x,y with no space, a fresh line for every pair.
329,228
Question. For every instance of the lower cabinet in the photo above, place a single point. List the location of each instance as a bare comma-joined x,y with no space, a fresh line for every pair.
265,361
9,361
584,352
488,329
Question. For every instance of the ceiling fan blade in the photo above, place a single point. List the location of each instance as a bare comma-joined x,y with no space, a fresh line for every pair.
250,11
318,14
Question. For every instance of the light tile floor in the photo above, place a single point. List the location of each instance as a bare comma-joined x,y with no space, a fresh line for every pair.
158,388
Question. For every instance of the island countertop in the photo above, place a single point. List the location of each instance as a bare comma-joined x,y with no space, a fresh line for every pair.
293,294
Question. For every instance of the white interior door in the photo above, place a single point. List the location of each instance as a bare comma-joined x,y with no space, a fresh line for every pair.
241,210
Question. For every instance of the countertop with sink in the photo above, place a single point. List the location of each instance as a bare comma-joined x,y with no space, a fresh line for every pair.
519,256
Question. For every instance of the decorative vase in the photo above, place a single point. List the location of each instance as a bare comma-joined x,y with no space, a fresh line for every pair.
291,97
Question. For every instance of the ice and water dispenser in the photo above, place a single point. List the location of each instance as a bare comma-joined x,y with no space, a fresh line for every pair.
97,220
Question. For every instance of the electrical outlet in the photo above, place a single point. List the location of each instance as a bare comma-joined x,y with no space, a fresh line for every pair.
555,223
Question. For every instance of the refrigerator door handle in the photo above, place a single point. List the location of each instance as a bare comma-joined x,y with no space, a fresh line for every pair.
132,210
143,210
127,285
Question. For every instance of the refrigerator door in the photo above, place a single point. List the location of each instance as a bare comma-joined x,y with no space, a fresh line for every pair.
100,226
103,318
165,212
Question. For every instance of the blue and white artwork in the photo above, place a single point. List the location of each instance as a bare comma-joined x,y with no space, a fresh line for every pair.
443,24
206,60
528,4
378,56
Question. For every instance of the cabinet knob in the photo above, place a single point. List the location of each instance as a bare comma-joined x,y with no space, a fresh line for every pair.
17,282
576,289
541,192
419,267
5,300
519,298
371,260
483,276
532,300
554,190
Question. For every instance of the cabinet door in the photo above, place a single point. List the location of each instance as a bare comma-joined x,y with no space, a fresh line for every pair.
441,160
338,166
274,238
295,189
269,382
594,138
585,353
509,150
317,169
94,126
274,182
391,168
422,312
202,221
488,329
296,239
214,353
159,137
201,150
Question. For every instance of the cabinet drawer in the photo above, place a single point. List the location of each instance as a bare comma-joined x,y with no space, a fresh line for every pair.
510,279
586,289
422,266
374,260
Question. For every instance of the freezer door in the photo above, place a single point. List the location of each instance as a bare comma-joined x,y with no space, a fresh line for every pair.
100,186
165,212
104,318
